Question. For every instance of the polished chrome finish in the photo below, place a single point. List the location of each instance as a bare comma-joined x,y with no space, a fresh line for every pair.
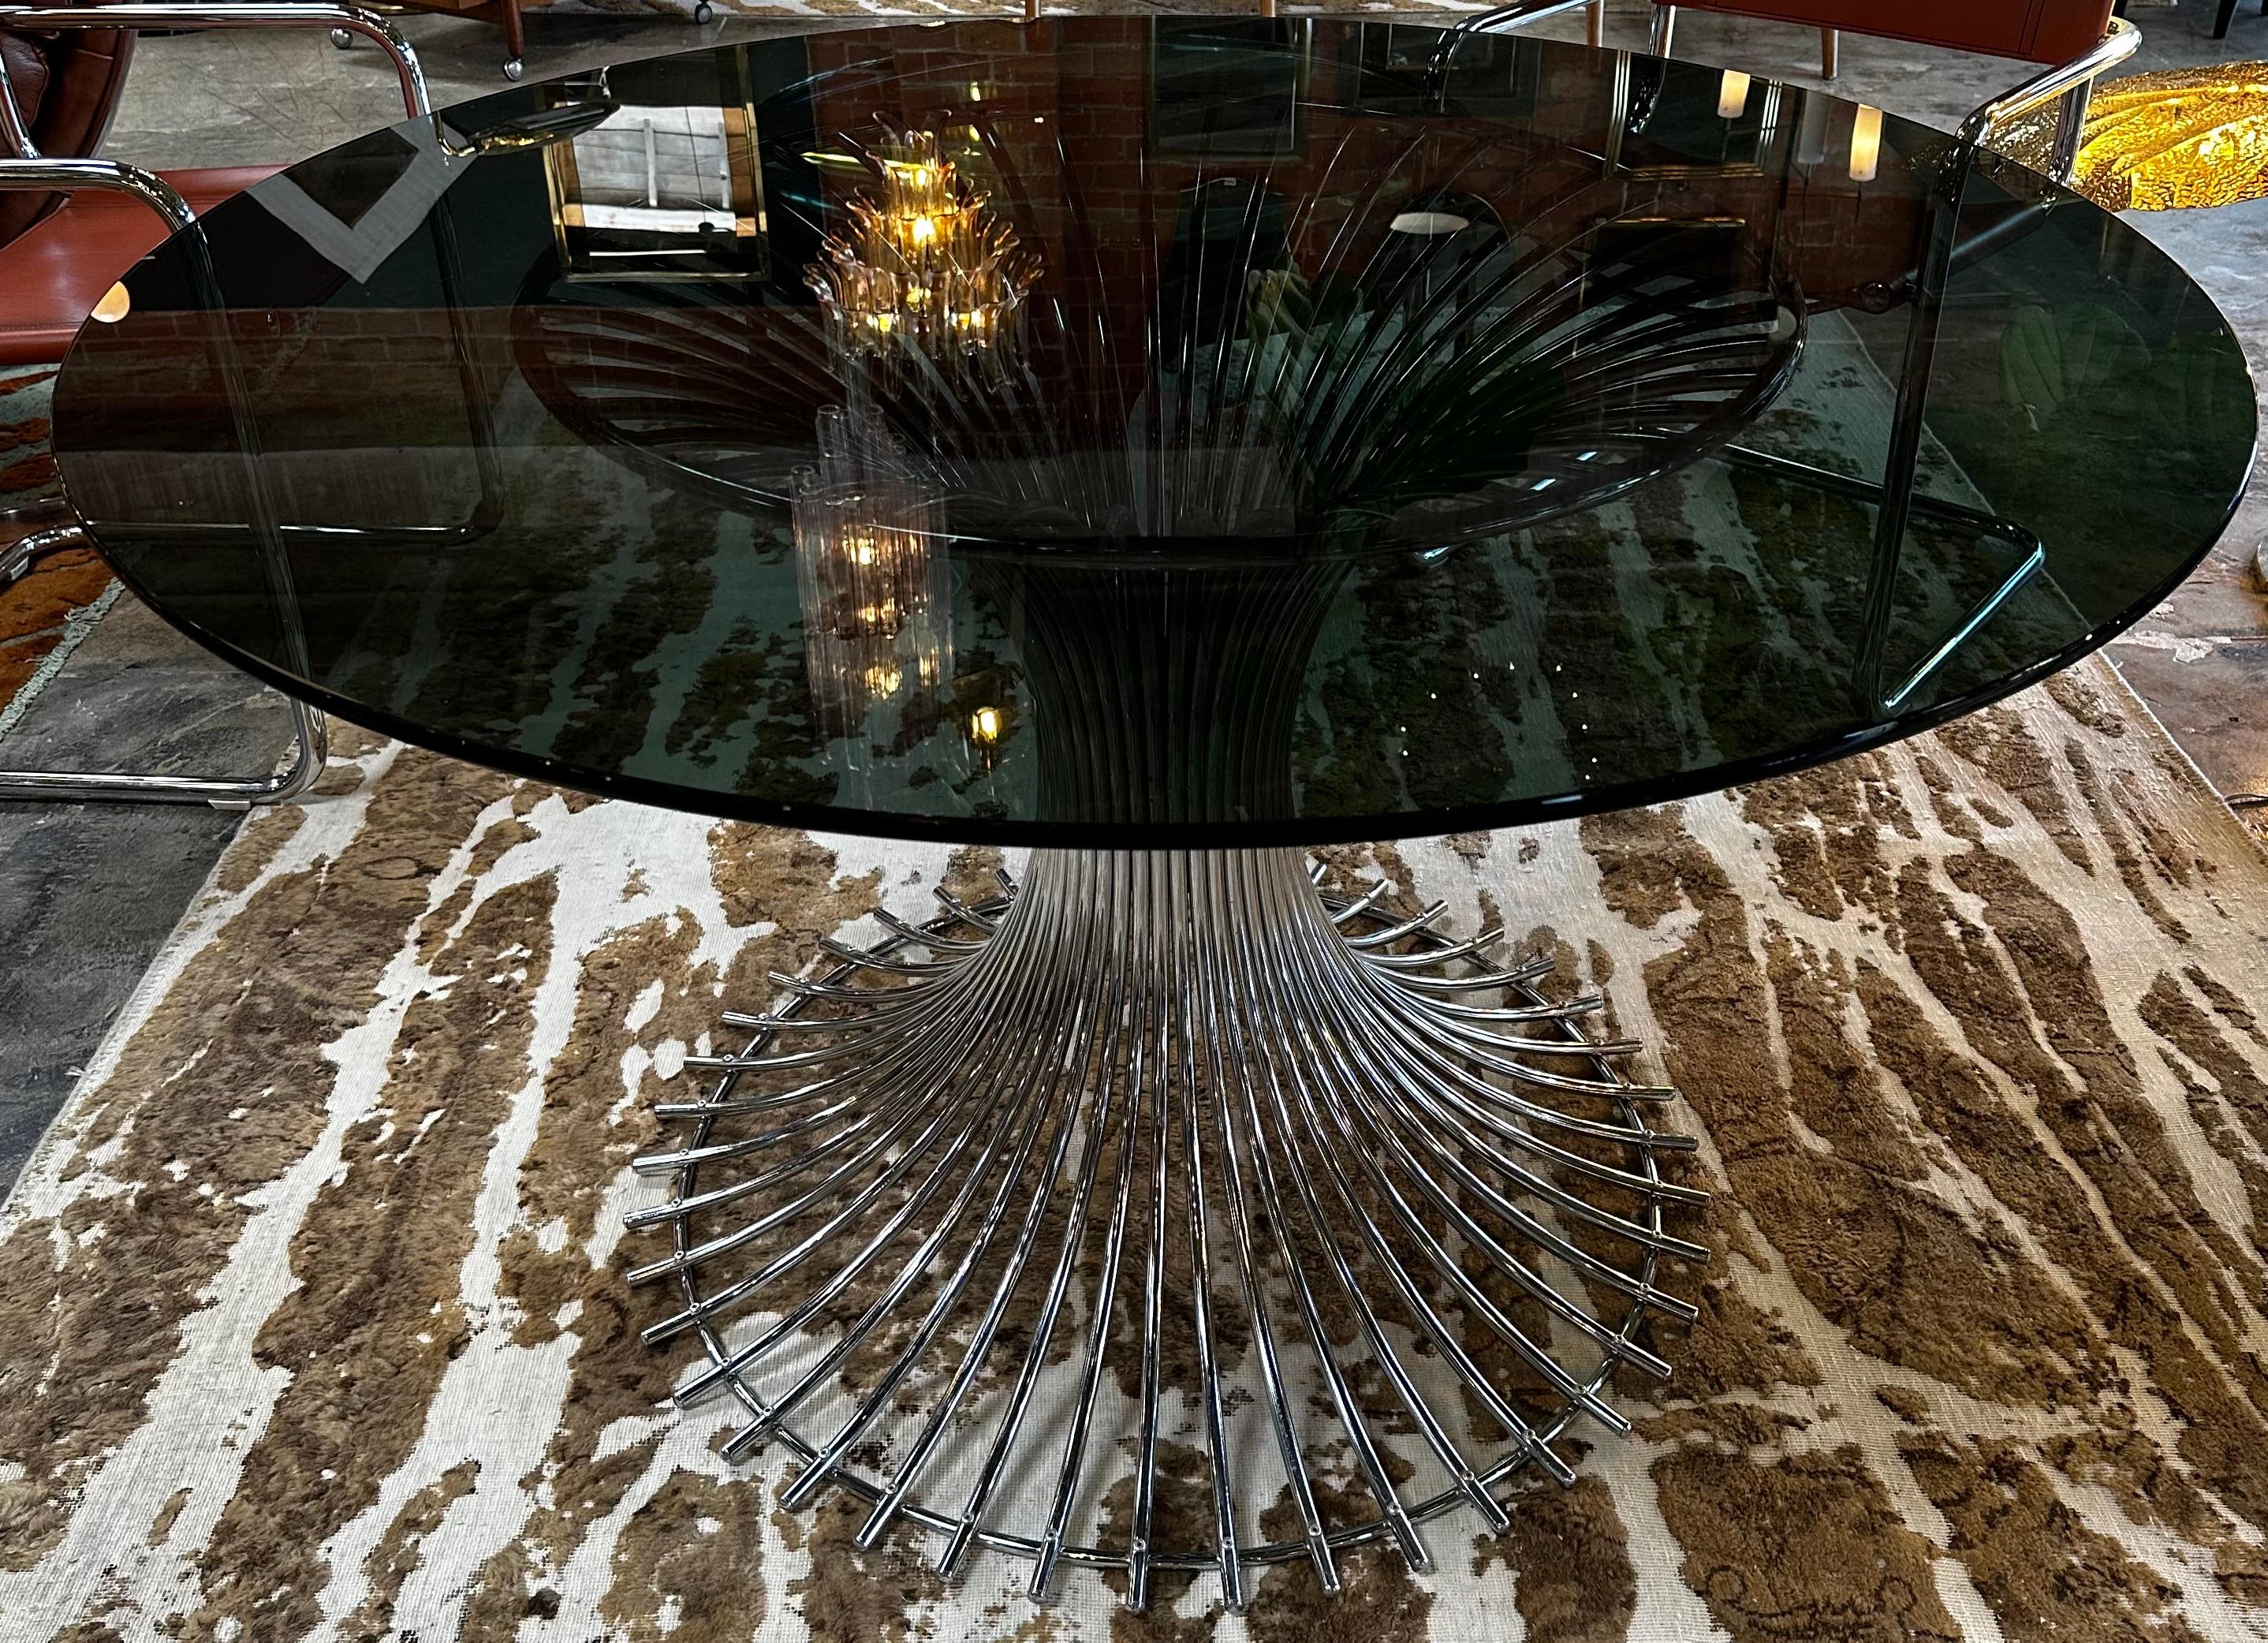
110,176
337,19
1664,39
2070,82
41,511
2120,42
2070,132
310,751
1499,20
310,732
20,554
1175,1179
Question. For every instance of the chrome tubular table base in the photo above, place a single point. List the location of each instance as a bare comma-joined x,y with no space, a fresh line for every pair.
1167,1214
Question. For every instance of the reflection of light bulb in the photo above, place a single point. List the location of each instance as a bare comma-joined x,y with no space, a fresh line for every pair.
923,230
884,679
1865,143
984,725
1731,95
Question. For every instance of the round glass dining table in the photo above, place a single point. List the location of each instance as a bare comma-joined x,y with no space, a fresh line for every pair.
1165,444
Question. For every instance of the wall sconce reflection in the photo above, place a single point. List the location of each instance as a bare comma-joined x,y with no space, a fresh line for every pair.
1865,143
875,591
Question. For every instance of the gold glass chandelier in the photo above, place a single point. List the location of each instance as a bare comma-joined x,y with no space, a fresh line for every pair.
878,627
926,266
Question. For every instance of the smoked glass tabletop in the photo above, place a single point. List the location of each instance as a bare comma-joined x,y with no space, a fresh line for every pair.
1155,431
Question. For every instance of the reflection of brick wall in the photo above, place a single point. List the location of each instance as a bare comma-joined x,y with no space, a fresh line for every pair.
154,375
359,413
1065,108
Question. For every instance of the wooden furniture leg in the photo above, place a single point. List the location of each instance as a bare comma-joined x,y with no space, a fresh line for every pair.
1595,24
1830,52
515,39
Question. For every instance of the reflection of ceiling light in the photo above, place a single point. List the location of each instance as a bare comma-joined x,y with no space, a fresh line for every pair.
926,262
1430,224
872,595
1731,95
1865,143
984,725
113,307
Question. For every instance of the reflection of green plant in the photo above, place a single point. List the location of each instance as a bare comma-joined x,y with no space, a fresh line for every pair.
2086,376
2050,359
1276,303
2201,392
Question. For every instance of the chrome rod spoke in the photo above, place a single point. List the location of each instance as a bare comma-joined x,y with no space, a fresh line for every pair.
1155,1137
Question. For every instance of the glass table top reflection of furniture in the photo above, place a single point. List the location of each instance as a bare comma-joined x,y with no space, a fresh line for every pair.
1163,443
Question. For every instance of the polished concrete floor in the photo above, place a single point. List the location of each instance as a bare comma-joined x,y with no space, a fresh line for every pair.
87,894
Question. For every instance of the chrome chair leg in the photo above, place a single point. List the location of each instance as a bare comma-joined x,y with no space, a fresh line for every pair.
1664,30
46,511
310,745
20,554
311,736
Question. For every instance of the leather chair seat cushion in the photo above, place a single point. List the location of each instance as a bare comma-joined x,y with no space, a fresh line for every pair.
70,83
51,277
2040,31
24,57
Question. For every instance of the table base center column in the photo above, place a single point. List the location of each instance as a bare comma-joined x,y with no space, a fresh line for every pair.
1168,1213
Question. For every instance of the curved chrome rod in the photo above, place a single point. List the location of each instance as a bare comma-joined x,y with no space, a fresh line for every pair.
132,14
1494,21
311,738
1164,1068
2120,42
111,175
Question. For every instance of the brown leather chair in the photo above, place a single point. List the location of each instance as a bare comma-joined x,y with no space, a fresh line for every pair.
61,252
67,84
71,226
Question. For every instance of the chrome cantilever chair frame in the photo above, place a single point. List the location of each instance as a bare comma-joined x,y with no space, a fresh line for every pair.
30,170
2070,86
1942,253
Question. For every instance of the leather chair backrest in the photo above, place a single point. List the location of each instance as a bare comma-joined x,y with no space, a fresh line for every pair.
67,83
2038,31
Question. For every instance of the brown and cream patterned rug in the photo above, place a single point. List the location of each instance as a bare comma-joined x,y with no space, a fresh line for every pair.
311,1325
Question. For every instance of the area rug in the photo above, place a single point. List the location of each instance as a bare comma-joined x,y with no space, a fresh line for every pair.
312,1326
42,614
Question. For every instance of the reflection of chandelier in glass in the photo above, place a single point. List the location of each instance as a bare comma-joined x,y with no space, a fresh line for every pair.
877,627
928,264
